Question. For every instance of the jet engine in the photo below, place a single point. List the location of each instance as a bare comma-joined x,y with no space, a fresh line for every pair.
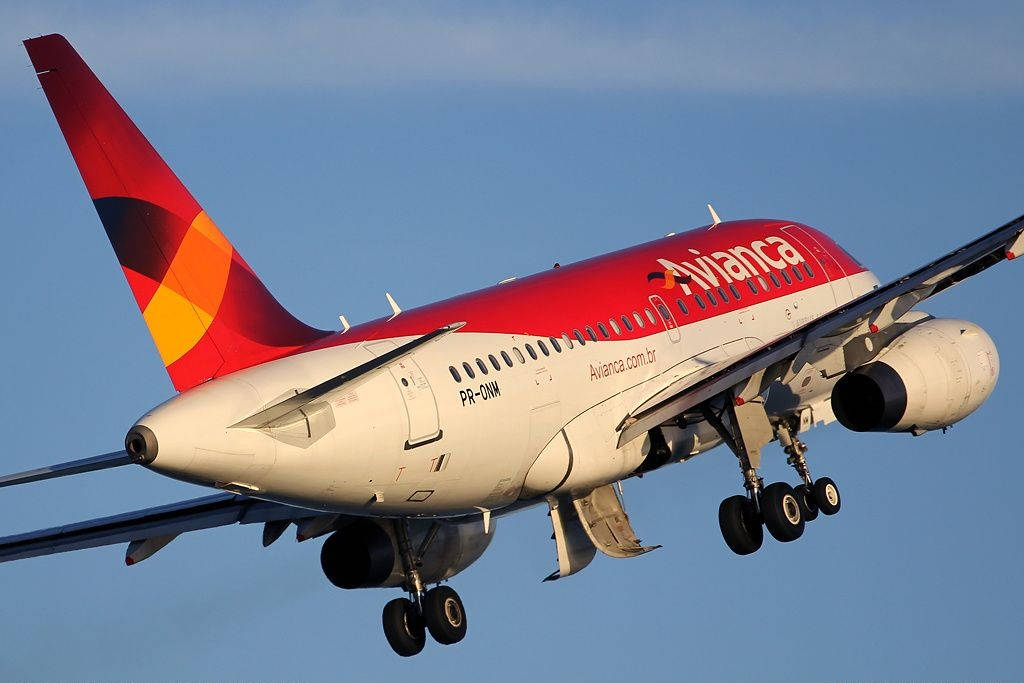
365,553
934,374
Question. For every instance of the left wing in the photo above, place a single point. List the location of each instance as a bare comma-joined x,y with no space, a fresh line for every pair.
870,313
149,530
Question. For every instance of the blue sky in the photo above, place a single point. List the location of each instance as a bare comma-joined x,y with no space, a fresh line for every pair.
429,149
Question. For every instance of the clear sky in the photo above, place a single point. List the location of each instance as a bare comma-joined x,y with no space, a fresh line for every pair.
429,149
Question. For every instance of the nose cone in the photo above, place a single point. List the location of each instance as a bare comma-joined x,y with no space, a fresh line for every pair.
189,437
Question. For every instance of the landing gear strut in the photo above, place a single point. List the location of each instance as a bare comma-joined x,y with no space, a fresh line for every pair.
438,610
781,508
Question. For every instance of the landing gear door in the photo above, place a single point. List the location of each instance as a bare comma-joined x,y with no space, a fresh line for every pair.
418,397
665,314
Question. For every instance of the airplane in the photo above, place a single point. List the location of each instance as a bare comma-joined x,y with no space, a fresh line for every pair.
403,439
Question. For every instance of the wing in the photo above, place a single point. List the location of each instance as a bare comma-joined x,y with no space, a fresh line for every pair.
149,530
872,312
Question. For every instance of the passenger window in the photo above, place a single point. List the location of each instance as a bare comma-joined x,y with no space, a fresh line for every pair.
785,276
568,342
798,274
519,354
604,330
682,307
615,327
664,312
505,357
700,301
494,362
579,337
650,316
554,343
807,269
639,320
590,333
774,279
711,297
764,285
469,370
629,325
752,286
529,350
480,364
725,297
543,347
735,292
455,373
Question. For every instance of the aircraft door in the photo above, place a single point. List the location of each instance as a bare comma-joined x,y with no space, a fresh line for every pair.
665,314
420,404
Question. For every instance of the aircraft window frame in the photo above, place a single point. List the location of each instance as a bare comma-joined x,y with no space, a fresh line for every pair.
764,284
614,326
650,315
519,355
483,366
603,330
796,272
711,297
663,310
567,340
469,370
723,296
590,333
543,347
555,344
529,350
494,362
735,292
579,337
751,286
682,306
700,301
625,321
455,374
639,320
785,276
807,269
507,358
775,279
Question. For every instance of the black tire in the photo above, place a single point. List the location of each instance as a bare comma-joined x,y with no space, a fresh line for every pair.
826,495
808,504
403,627
740,525
781,512
445,615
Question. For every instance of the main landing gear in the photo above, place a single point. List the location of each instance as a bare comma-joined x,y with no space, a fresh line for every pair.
778,507
439,610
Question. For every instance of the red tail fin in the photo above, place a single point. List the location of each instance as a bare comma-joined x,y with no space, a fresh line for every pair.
207,311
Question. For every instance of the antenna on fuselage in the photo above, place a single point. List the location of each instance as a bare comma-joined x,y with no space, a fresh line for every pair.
394,307
714,216
344,324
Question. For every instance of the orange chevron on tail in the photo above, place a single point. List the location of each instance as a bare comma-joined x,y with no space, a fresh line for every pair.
207,311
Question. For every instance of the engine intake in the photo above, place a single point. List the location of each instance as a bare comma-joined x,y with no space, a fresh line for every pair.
934,374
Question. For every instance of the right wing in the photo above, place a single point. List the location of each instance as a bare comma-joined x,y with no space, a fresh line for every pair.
869,314
160,524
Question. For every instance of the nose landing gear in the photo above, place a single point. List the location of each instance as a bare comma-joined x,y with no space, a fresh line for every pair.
438,611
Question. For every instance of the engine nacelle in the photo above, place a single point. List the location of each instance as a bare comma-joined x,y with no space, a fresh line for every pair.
365,553
934,374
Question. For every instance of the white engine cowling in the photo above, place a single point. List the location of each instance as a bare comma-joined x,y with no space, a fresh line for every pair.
934,374
365,553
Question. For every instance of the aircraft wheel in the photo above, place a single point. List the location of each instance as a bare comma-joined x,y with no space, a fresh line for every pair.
403,627
445,615
808,503
781,511
740,526
826,494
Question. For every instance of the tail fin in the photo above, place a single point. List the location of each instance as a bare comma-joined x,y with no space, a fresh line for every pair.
207,311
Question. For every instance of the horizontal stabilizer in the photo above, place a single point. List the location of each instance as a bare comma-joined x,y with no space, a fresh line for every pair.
283,410
65,469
